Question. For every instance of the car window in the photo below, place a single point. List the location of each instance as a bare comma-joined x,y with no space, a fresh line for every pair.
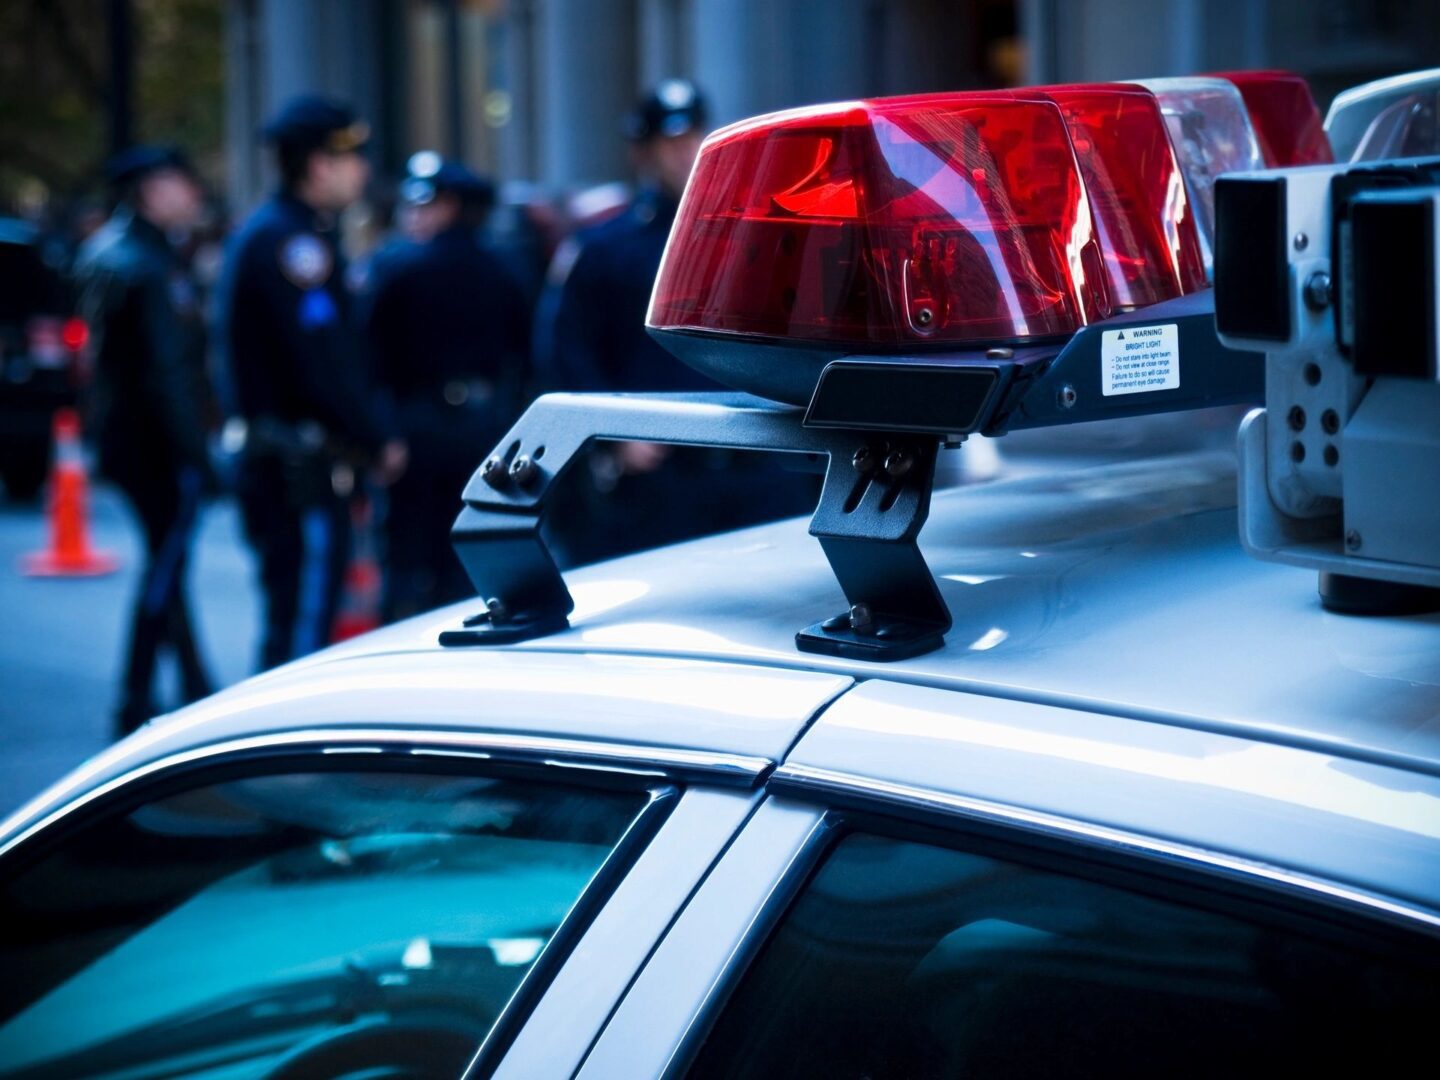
902,959
304,924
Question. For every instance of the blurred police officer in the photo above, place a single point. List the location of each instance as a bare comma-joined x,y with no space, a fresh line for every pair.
148,401
449,330
591,336
595,333
298,377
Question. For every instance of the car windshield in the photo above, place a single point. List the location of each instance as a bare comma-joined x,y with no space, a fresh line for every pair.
237,925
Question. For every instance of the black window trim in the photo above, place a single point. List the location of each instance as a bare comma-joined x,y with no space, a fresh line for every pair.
658,772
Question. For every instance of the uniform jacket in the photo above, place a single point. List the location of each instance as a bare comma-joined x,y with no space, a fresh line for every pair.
594,333
148,395
445,312
294,354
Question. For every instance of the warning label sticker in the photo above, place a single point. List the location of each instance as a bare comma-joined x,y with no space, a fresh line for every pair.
1139,359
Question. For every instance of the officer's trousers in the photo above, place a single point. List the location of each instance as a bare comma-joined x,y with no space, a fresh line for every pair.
167,506
303,552
446,444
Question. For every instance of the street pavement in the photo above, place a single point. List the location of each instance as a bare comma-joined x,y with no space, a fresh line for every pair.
60,650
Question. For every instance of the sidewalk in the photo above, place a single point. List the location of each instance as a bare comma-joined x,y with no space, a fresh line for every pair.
60,648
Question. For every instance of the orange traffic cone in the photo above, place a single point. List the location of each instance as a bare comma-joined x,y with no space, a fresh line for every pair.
360,594
70,553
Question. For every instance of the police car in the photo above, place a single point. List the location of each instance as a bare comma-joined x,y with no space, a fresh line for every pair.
1088,782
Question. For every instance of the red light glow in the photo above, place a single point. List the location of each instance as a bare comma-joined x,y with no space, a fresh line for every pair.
75,335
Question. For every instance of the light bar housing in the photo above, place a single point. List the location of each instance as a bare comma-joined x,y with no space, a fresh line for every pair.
879,226
1149,240
1211,133
1287,122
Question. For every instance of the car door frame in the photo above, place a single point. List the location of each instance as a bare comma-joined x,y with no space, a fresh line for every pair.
665,1015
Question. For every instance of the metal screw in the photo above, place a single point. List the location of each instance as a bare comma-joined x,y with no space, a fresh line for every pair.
924,317
495,612
1317,291
863,459
1301,241
861,618
524,471
999,354
898,463
1352,540
493,472
1068,396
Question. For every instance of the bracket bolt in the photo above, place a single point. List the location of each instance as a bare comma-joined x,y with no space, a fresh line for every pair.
495,612
924,317
861,618
1352,539
863,459
493,472
1068,396
1301,241
899,462
1317,291
523,470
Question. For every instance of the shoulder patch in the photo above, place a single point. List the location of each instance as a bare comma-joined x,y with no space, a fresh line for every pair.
317,309
306,261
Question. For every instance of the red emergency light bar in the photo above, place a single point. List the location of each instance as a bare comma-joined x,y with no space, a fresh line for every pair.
1287,122
883,226
922,223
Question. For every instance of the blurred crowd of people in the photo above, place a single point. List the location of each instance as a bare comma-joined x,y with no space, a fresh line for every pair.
325,386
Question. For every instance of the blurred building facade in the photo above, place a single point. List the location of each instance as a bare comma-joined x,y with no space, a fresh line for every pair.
534,89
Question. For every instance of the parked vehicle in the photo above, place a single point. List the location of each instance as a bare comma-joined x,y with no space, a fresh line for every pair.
42,356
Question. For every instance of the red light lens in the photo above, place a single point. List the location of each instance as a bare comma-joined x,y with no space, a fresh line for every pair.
1286,119
75,335
890,223
1146,226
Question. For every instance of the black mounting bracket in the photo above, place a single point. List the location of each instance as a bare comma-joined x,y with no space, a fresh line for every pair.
875,499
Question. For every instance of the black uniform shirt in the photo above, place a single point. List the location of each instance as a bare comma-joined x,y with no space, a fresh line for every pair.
285,318
444,312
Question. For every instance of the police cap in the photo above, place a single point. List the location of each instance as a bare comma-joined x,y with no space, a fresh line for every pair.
130,166
673,107
311,122
429,175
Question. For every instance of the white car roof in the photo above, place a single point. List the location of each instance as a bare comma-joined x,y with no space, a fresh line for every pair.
1116,589
1119,589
